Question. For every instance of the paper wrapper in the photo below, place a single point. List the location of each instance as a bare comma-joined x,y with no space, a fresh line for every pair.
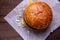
27,34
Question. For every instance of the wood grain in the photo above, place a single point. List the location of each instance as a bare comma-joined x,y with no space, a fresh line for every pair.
6,31
55,35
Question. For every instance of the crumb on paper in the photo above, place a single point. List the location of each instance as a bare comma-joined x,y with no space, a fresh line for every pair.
20,15
22,21
22,24
17,20
28,32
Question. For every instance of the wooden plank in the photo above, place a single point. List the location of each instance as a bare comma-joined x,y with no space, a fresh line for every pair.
7,5
7,32
2,20
55,35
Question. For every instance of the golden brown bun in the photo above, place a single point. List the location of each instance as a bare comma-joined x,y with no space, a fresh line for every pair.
38,15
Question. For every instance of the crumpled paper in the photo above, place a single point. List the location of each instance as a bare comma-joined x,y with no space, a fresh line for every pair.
27,34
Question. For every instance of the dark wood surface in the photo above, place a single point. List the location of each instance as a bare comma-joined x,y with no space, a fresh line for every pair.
7,32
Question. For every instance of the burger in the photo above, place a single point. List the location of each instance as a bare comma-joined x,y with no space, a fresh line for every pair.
38,15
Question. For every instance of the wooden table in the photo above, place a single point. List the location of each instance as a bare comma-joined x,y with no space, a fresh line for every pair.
6,31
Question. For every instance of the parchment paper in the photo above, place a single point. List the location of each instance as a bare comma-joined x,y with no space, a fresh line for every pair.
13,15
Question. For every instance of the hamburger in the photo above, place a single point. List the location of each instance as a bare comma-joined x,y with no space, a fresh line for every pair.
38,15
